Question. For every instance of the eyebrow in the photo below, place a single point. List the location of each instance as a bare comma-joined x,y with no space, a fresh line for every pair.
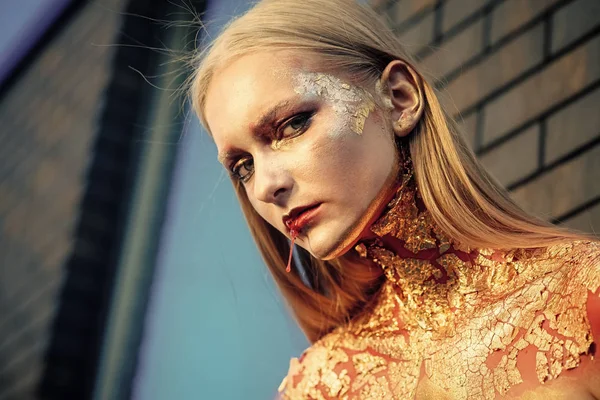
226,155
259,128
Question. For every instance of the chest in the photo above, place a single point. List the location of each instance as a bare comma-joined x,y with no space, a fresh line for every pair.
529,336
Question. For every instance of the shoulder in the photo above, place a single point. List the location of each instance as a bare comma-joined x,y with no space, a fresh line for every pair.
571,322
583,257
581,267
580,285
586,275
319,373
559,321
340,366
573,309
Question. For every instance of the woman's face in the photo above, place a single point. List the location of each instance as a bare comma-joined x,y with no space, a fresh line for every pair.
311,150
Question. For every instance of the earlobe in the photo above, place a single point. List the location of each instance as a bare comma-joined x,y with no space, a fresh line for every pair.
401,90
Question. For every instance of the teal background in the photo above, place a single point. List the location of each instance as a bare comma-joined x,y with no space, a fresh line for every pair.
216,327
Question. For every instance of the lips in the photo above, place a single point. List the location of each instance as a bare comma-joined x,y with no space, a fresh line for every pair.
298,217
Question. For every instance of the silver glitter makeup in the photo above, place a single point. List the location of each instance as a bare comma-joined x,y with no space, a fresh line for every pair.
345,98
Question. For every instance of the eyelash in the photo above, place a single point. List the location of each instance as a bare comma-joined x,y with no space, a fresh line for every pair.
305,117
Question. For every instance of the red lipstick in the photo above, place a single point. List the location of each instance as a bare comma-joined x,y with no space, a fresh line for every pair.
295,221
299,217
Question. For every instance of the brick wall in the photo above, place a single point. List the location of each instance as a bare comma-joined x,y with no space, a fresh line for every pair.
48,121
523,79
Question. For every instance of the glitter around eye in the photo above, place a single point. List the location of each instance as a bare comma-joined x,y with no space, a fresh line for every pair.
349,102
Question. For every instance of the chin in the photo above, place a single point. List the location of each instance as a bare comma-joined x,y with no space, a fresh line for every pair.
325,245
323,254
317,249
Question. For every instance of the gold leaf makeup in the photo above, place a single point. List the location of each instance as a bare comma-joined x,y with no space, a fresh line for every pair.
347,100
453,322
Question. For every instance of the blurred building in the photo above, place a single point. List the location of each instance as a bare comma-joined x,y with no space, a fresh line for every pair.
126,270
75,114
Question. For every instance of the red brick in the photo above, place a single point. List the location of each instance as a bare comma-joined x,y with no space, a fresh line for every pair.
456,11
499,68
559,80
455,52
573,126
512,14
573,21
586,221
403,10
468,127
563,188
419,35
514,159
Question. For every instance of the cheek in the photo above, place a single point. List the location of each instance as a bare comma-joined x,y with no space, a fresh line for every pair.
258,206
361,160
380,150
333,146
266,211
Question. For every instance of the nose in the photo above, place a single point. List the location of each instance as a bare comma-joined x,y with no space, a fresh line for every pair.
272,181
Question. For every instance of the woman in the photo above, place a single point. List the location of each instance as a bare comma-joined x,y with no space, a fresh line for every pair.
416,275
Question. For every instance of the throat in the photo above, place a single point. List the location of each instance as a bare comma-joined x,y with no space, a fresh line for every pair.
434,276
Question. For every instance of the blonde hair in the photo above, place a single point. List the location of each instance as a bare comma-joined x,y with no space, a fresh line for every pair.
460,195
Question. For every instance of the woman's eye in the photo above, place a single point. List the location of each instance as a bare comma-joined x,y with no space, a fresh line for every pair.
243,169
296,125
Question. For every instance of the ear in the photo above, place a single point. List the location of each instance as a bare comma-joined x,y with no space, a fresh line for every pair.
401,86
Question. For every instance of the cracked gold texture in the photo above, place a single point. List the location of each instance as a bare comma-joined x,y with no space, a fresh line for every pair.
452,320
346,99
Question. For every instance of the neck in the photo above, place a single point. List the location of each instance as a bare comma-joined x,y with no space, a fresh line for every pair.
406,228
433,275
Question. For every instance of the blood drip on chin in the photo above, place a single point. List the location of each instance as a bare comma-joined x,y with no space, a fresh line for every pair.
294,234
